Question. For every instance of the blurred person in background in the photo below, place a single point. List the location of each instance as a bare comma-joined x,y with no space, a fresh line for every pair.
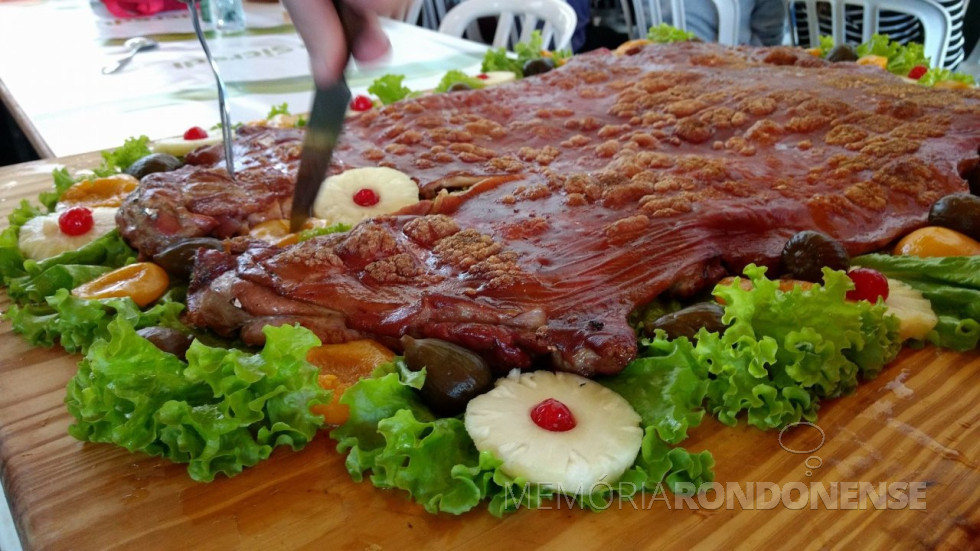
761,22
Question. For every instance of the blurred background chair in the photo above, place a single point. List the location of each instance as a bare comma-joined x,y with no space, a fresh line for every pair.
516,19
854,21
433,12
635,17
650,13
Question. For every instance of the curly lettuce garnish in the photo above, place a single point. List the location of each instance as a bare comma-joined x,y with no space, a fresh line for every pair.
499,59
76,323
118,160
396,438
389,89
783,352
458,77
665,34
902,58
222,411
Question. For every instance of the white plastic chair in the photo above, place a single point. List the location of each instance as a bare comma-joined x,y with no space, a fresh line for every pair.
935,20
557,16
728,17
433,12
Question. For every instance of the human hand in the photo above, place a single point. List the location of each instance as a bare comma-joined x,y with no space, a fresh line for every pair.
319,24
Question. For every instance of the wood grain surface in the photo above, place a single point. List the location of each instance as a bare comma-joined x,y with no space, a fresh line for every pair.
917,423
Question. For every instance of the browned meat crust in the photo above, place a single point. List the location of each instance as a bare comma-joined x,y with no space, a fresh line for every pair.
605,183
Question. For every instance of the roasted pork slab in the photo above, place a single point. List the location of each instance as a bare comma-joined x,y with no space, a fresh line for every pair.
582,193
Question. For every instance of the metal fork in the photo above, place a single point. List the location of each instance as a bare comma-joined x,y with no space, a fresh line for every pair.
226,129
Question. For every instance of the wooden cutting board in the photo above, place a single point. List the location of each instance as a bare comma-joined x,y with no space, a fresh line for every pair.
917,423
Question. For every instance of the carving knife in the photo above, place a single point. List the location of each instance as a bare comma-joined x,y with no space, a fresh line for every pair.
322,130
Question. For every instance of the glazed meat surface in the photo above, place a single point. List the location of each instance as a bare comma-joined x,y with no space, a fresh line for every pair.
588,191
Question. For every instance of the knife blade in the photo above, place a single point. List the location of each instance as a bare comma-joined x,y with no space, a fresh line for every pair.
322,130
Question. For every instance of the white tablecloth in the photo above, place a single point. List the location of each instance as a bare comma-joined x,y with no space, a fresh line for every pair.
55,78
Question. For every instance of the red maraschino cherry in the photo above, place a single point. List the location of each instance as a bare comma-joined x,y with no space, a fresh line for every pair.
76,221
195,133
366,197
553,415
361,103
868,285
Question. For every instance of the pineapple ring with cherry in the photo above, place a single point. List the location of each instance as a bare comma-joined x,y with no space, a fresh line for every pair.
521,424
360,193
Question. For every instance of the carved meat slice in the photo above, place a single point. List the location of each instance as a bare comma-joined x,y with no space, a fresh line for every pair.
601,185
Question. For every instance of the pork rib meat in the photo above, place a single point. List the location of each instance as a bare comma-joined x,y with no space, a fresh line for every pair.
586,192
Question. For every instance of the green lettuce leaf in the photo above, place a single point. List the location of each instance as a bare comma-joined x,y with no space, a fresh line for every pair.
395,437
69,268
937,74
389,89
221,412
62,181
776,370
118,160
907,57
826,44
76,323
664,34
501,60
458,77
11,259
880,44
281,109
339,227
666,386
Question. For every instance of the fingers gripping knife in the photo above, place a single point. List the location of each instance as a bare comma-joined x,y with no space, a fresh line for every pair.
227,132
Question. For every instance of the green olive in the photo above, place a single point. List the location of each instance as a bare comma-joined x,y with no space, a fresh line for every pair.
960,212
178,258
154,162
842,52
453,374
807,252
537,66
459,87
686,322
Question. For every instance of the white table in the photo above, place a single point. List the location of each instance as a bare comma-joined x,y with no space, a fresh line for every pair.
51,81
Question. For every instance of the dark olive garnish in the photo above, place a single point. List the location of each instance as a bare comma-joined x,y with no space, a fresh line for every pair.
178,259
686,322
154,162
807,252
842,52
459,87
168,340
537,66
453,374
960,212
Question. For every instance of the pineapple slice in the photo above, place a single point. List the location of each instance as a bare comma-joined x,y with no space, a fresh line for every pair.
178,147
360,193
601,445
914,312
41,237
494,78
